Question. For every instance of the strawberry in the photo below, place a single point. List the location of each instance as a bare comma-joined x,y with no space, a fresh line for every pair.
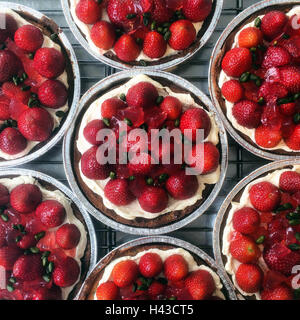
160,12
250,37
150,265
126,48
246,220
4,107
272,24
183,34
292,45
140,164
156,289
276,57
280,293
103,35
176,268
289,181
16,108
267,137
280,258
4,195
237,61
247,113
67,236
251,91
137,186
244,250
9,65
8,256
207,162
264,196
91,131
51,213
54,293
11,141
249,277
49,62
24,198
293,139
155,45
117,192
153,199
88,11
125,273
200,285
288,109
181,186
11,27
66,273
15,92
107,291
195,119
154,118
29,38
27,241
196,10
172,107
28,267
142,95
290,78
233,91
91,166
53,94
110,107
35,124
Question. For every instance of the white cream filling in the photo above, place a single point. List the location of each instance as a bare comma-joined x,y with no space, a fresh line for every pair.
164,254
11,183
133,210
232,264
48,43
86,30
223,78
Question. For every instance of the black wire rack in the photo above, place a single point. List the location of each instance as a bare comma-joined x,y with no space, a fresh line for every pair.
241,162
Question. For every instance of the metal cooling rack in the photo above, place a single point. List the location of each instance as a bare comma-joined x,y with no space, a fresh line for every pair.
241,162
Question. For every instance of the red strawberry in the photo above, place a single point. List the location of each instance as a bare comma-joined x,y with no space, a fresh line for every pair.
28,267
67,236
290,78
51,213
156,289
293,139
15,92
200,285
24,198
267,137
35,124
292,45
280,293
107,291
53,94
27,241
155,45
103,35
172,107
10,27
232,91
142,95
155,118
88,11
29,38
150,265
153,199
126,48
8,256
137,186
134,114
250,91
276,57
175,268
249,277
16,108
11,141
290,181
91,131
47,294
264,196
125,273
181,186
195,119
250,37
160,12
140,164
272,91
183,34
247,113
196,10
91,166
117,192
280,258
4,107
66,273
9,65
246,220
110,107
49,62
4,195
237,61
272,24
288,109
244,250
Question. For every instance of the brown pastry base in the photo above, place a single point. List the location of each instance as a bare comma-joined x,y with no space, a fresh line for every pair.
216,70
97,201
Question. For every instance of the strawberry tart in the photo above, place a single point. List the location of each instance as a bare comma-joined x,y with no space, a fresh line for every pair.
146,193
44,250
36,83
255,79
142,32
153,271
261,236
